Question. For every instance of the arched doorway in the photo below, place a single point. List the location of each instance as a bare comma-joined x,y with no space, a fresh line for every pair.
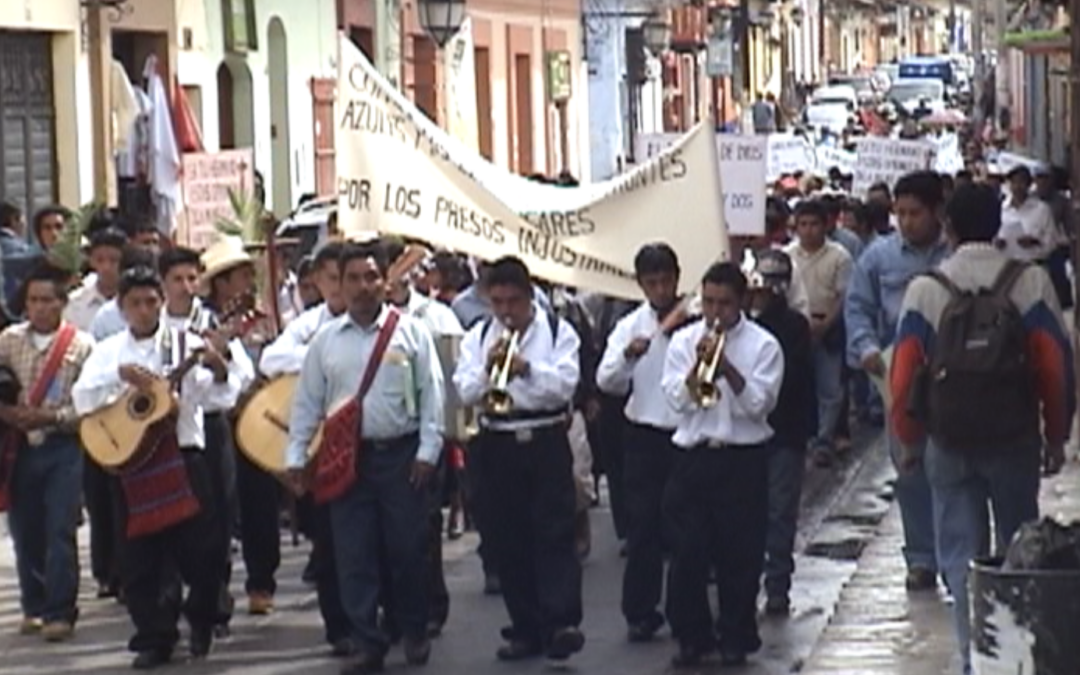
280,146
236,112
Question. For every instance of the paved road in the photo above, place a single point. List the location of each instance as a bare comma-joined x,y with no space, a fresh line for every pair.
290,641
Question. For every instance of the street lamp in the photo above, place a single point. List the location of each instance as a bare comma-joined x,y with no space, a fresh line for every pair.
441,19
656,31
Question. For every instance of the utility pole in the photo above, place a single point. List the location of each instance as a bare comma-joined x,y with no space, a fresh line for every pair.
978,24
99,97
1074,149
1003,94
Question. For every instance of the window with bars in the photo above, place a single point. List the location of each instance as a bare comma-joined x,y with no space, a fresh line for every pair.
27,120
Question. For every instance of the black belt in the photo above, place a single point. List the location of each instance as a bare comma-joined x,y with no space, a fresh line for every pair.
525,416
712,446
389,443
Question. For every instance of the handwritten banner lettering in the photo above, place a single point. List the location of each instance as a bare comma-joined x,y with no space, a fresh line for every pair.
741,163
205,184
886,160
398,173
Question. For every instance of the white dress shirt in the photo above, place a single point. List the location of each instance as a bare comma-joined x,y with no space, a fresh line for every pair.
438,318
406,395
554,369
737,419
99,384
1032,218
241,369
108,321
619,376
285,355
84,303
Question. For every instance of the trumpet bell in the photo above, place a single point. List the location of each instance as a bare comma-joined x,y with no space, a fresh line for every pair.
707,394
498,402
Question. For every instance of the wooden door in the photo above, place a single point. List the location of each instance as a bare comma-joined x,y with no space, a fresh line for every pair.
322,101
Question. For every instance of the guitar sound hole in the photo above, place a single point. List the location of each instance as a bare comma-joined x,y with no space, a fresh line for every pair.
141,406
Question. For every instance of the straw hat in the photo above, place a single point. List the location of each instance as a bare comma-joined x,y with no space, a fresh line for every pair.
225,254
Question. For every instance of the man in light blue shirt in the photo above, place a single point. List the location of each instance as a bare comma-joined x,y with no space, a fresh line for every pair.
871,311
401,426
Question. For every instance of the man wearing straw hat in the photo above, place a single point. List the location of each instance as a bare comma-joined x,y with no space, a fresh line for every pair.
229,274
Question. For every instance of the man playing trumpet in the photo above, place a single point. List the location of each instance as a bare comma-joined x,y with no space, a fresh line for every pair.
716,498
527,382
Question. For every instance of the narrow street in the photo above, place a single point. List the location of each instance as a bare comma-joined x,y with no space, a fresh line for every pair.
851,614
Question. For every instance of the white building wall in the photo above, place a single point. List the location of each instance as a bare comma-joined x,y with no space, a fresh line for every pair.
311,40
609,111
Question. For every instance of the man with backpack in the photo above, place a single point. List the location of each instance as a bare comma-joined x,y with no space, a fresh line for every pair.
982,378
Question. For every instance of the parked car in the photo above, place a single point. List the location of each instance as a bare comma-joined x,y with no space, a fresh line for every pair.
911,95
866,91
831,108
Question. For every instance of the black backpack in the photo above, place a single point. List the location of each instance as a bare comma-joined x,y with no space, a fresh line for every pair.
978,390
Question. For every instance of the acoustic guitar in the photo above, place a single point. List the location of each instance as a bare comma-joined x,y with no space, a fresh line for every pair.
262,427
112,435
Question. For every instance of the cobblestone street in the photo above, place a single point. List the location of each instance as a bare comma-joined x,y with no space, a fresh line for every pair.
851,615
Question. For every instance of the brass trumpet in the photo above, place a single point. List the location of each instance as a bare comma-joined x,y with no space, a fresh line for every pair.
497,400
703,388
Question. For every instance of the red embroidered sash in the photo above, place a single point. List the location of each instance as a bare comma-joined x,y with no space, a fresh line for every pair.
157,488
336,460
12,439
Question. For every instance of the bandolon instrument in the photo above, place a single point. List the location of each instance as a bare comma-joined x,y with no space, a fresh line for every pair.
262,427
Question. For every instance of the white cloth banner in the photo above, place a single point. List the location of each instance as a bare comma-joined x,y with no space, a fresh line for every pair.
829,156
947,158
459,87
398,173
742,173
885,160
789,154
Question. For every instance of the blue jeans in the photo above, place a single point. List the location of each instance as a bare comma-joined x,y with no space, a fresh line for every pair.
786,468
383,509
829,385
916,511
963,486
44,515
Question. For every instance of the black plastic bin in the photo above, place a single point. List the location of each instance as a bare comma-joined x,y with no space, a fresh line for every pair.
1024,622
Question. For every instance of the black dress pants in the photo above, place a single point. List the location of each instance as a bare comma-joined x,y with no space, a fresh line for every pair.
335,621
533,505
105,532
147,563
716,504
648,456
221,463
259,496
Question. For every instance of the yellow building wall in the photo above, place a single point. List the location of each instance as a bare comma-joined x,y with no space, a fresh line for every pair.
60,17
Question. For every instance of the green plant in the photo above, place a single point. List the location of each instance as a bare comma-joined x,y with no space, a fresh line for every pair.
67,252
247,218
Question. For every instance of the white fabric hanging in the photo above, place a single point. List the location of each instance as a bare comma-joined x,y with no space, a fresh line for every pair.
164,161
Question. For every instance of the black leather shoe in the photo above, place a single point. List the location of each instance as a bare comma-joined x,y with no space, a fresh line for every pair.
202,637
644,630
518,650
364,664
565,643
149,660
344,648
417,651
690,655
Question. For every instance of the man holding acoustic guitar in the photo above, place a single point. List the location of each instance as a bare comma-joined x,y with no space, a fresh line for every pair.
151,383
